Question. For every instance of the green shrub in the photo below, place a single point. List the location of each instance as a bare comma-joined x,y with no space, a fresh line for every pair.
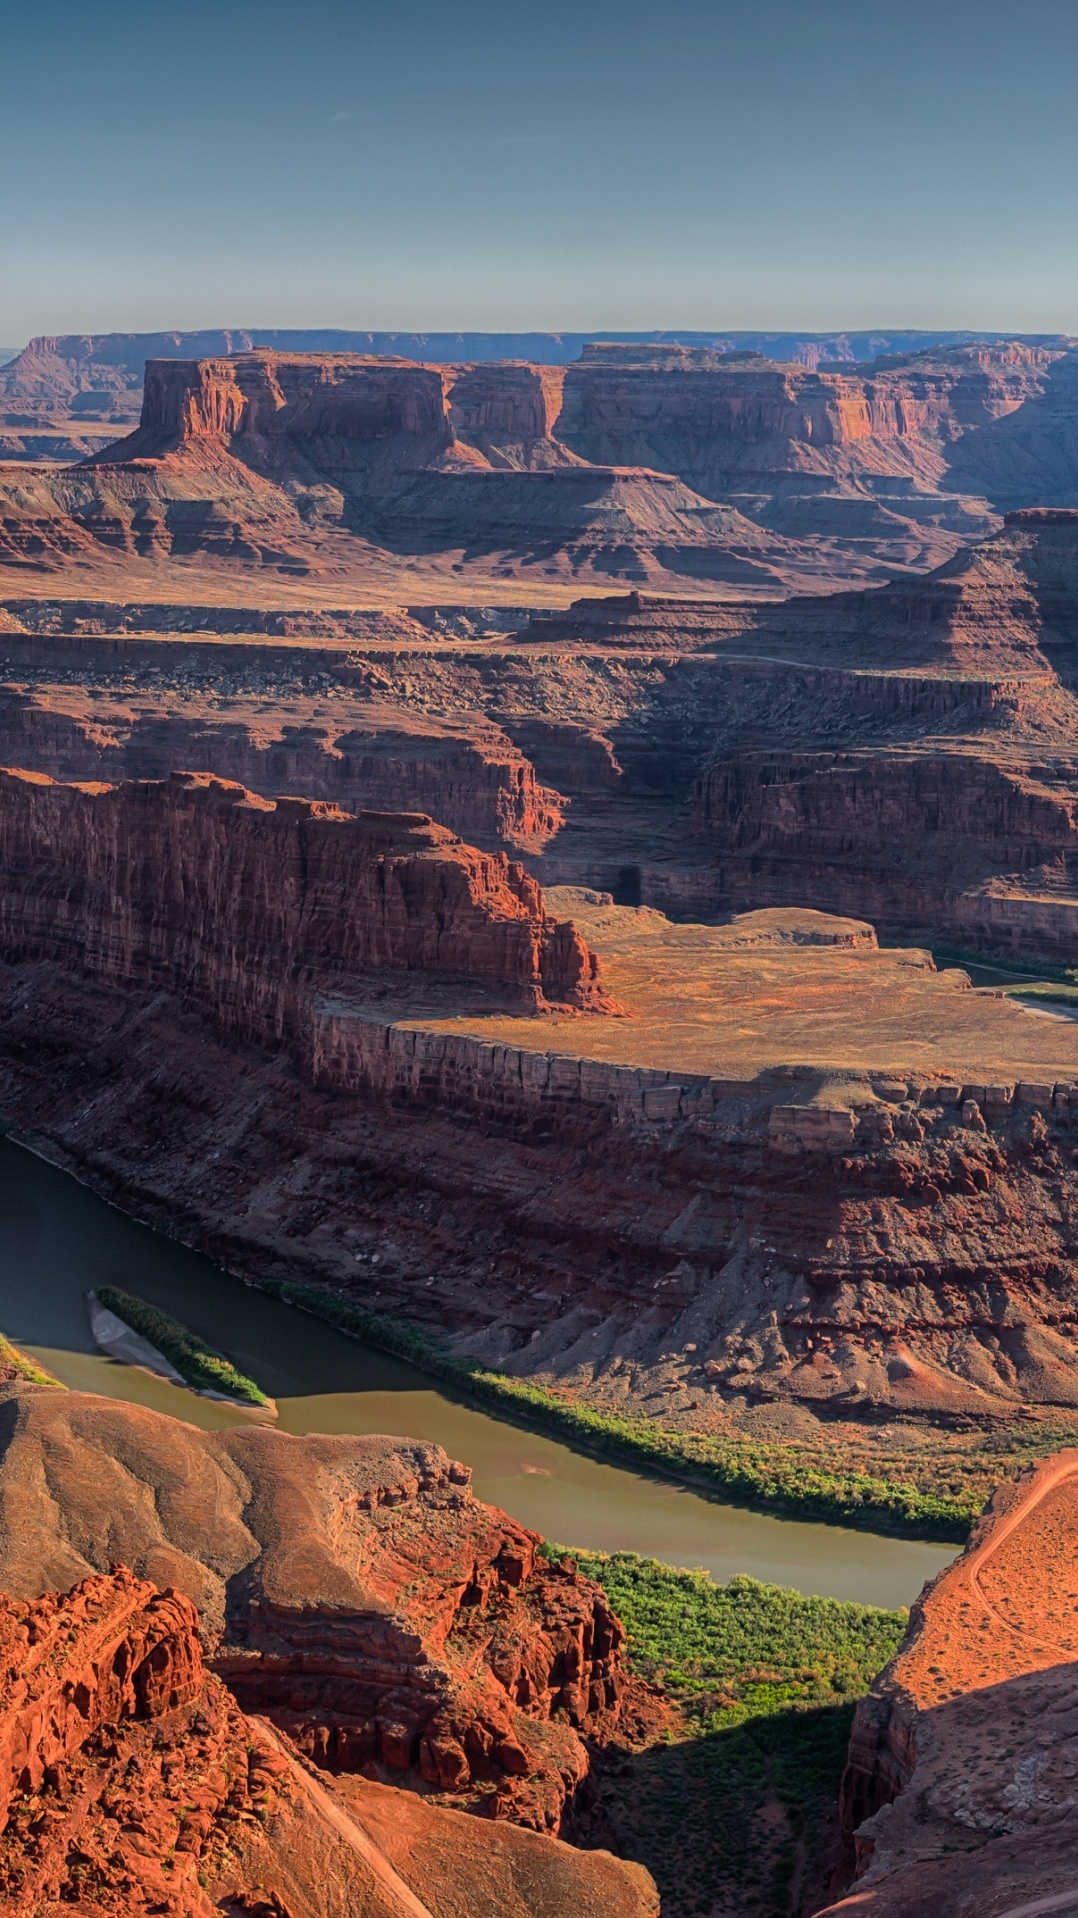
197,1363
738,1804
23,1366
1059,995
745,1649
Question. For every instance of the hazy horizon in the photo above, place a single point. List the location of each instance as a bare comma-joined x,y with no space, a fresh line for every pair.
451,165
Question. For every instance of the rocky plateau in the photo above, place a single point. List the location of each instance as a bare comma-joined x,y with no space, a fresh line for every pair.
653,463
576,978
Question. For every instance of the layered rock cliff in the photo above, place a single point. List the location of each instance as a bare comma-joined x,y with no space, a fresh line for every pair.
721,421
648,465
959,1791
131,1785
482,786
246,906
956,846
101,374
353,1590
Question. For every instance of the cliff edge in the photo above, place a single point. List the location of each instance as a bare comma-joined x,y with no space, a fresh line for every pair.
959,1795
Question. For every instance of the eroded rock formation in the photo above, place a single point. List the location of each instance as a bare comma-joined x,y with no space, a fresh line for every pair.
959,1792
353,1590
246,905
131,1784
645,463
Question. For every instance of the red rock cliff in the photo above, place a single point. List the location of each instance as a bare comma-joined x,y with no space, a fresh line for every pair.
131,1786
353,1589
244,905
958,1794
709,417
315,396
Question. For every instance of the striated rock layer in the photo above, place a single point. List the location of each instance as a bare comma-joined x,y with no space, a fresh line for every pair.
130,1784
959,1794
660,464
353,1589
246,905
652,1205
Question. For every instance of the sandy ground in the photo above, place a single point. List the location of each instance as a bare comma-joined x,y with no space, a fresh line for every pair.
697,1003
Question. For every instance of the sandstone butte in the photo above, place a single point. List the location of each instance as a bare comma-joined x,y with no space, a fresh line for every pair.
959,1795
674,466
131,1782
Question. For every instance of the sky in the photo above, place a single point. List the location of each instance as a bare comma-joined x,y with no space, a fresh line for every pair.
549,164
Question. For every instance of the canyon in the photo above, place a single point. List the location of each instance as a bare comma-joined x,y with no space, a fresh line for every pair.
504,846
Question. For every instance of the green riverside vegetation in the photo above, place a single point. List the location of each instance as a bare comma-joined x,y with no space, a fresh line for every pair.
1059,995
1014,963
731,1813
23,1366
744,1471
203,1369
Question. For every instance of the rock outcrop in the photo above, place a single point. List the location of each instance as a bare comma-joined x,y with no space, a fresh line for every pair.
92,376
959,1792
351,1589
131,1785
478,782
246,906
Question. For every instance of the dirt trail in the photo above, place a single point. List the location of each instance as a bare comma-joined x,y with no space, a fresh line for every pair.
350,1830
1053,1474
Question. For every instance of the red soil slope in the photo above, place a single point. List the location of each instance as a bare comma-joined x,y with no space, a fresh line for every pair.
353,1589
959,1794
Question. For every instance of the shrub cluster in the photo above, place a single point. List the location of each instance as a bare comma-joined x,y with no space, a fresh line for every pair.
197,1363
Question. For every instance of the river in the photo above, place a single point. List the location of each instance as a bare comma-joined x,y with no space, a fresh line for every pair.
57,1241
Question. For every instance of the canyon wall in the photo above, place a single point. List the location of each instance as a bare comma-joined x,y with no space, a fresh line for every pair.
956,846
242,904
958,1791
482,788
851,1241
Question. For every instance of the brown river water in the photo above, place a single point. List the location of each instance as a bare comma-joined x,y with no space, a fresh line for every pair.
57,1241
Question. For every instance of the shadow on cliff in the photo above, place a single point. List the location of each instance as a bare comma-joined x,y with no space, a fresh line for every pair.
743,1817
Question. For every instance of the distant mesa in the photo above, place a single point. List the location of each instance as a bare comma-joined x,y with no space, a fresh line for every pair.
654,462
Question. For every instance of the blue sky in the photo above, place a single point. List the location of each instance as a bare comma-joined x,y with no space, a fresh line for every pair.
538,163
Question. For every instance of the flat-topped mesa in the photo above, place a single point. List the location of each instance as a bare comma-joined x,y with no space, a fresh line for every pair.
315,397
708,416
247,907
499,414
